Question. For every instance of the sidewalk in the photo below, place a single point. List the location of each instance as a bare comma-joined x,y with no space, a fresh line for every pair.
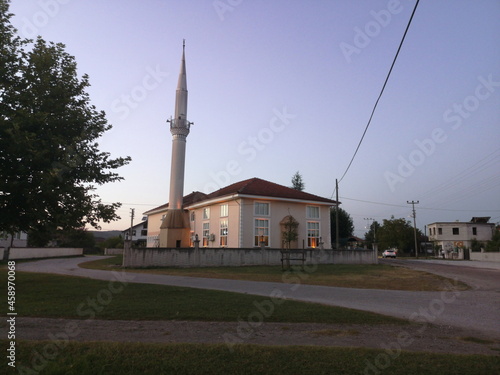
465,263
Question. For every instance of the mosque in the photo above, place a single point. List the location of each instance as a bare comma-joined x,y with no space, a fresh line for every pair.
246,214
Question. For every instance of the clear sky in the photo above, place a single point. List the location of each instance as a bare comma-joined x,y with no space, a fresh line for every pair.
281,86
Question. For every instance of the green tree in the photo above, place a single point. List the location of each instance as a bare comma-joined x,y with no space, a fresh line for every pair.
290,234
494,244
397,233
297,182
112,243
346,225
475,245
49,155
371,235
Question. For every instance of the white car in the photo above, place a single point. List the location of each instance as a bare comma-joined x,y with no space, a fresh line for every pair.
389,253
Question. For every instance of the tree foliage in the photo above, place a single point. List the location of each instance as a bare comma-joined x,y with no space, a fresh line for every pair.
290,232
371,235
297,182
346,225
397,233
50,160
494,244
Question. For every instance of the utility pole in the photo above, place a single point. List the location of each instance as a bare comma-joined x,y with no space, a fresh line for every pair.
337,215
132,213
414,215
374,230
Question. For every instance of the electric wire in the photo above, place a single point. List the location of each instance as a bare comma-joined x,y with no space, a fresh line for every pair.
381,91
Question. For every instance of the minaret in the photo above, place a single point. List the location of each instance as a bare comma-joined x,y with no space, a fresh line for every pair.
174,231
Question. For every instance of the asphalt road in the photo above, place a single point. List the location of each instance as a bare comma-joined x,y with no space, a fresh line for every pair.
477,309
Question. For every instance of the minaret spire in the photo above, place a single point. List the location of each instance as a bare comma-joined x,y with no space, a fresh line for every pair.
179,127
174,230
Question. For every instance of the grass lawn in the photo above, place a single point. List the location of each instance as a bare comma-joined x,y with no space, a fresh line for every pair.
365,276
44,295
128,358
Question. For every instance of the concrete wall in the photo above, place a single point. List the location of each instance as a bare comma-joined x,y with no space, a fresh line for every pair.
42,252
486,257
113,251
220,257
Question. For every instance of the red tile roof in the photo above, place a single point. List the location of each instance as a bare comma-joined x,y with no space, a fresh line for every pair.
259,187
253,186
187,200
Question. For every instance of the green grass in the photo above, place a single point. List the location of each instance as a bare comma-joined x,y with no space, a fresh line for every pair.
365,276
44,295
101,358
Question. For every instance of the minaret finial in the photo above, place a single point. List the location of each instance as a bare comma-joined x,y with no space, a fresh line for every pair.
183,44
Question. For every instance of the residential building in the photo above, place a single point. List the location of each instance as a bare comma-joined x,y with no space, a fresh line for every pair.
20,239
451,237
138,234
249,214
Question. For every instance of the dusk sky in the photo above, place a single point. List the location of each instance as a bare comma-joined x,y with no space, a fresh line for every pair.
281,86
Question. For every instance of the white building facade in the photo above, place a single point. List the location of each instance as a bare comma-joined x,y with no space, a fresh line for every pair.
249,214
453,237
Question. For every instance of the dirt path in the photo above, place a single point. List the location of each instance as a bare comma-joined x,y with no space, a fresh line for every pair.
437,339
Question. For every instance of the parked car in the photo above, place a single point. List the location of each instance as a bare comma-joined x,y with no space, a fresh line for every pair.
389,253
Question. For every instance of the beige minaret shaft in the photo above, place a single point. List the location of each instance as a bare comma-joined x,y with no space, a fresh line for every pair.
175,229
179,127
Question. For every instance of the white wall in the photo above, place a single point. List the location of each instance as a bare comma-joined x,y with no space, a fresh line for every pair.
42,252
113,251
221,257
486,257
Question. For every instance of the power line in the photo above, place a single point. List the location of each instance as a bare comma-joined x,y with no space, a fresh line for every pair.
381,91
422,208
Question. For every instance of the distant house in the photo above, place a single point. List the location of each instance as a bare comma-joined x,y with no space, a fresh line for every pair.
138,234
20,239
249,213
452,237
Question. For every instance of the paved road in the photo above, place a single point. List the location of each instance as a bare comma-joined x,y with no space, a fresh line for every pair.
477,309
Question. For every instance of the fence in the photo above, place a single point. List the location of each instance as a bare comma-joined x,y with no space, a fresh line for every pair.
16,253
223,257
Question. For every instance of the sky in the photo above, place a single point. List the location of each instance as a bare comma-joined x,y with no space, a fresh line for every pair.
281,86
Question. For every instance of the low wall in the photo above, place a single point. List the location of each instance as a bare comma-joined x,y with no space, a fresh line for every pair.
113,251
485,257
41,252
223,257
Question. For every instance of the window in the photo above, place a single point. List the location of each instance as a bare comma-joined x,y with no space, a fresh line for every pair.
206,213
474,231
261,209
192,216
206,233
261,232
312,234
312,212
440,230
144,232
223,232
455,231
224,210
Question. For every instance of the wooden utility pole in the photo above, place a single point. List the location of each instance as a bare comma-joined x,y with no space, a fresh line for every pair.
414,215
337,215
132,213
